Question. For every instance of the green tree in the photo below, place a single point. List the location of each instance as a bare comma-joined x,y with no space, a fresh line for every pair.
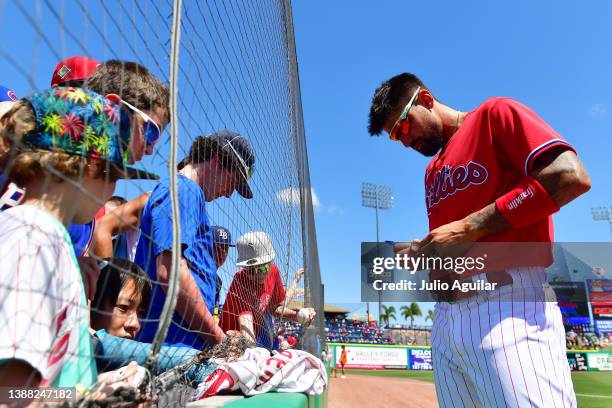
387,314
430,315
410,312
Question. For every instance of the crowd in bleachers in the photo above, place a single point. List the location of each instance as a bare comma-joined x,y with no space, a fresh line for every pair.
355,331
587,340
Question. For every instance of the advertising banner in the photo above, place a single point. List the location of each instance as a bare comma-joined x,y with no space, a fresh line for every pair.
373,357
599,361
577,361
420,359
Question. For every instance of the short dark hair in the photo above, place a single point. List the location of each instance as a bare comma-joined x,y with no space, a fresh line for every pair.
114,277
388,97
205,148
117,199
133,83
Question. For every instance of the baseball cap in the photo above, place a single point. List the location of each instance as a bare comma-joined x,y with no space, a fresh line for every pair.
7,94
237,147
221,235
254,248
82,123
73,69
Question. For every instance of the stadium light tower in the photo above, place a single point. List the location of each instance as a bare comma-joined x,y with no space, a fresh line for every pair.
603,214
379,198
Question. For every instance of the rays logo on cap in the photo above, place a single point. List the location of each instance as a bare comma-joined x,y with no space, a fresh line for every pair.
223,234
11,94
63,72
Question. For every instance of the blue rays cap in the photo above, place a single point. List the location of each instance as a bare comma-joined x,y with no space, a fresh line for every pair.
82,123
221,235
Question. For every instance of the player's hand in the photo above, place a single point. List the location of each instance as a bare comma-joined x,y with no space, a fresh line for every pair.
408,248
452,239
90,271
305,315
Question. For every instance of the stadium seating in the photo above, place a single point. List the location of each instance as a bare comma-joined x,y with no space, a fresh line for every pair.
355,331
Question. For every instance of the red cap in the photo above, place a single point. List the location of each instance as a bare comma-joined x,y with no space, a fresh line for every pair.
73,68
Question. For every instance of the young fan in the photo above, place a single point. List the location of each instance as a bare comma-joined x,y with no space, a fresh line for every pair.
68,149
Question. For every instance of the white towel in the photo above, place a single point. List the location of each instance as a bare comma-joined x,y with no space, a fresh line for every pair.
257,372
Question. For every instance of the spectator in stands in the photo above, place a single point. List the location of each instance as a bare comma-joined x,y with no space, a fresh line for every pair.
257,293
216,166
58,136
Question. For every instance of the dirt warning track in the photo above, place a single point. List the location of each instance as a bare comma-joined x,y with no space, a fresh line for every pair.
357,391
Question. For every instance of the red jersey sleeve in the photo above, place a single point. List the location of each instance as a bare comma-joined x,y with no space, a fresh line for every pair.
278,293
520,135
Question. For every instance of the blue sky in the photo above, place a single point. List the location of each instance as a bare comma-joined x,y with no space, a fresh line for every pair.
553,56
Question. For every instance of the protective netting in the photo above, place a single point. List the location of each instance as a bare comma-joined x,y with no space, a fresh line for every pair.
239,130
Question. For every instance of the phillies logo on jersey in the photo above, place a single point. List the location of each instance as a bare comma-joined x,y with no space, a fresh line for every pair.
450,179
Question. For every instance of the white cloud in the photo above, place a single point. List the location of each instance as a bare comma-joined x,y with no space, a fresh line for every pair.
333,209
598,110
291,196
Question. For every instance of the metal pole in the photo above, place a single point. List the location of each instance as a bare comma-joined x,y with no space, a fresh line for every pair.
378,240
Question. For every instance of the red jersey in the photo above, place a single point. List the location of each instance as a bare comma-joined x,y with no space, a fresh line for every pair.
489,154
245,295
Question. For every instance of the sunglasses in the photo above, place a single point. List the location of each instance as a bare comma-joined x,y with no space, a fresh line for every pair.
150,129
263,269
402,124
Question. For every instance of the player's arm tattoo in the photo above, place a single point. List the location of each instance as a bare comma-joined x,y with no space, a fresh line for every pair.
562,174
559,171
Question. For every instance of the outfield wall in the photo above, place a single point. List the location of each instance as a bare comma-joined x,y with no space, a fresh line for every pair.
379,357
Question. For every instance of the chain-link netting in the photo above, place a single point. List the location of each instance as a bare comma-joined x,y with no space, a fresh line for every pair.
87,230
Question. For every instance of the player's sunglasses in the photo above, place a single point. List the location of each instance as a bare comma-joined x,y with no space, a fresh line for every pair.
402,124
150,129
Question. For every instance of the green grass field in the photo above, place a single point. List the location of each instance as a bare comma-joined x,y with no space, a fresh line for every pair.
593,389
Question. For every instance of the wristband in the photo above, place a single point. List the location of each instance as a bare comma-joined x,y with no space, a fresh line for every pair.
527,203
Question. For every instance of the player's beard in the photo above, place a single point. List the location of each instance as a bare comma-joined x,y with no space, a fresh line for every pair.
430,144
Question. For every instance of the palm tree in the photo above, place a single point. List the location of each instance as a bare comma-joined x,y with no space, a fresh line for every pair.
430,315
410,312
387,314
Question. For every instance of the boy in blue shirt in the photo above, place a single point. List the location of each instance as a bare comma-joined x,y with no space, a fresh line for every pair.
216,166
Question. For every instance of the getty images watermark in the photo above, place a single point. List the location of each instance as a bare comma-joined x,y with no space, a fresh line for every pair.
516,271
412,264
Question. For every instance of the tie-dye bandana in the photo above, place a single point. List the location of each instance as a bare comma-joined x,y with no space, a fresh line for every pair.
80,122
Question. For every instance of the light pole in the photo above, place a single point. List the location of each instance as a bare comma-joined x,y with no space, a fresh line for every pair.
603,214
379,198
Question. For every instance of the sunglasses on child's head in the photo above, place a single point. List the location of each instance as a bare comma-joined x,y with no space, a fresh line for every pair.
150,129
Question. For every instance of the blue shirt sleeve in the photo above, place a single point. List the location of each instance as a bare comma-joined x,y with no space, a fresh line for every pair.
114,352
191,207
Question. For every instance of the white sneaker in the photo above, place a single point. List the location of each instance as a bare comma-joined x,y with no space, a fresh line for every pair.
344,376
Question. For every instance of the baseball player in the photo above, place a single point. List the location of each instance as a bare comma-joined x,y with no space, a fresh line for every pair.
497,174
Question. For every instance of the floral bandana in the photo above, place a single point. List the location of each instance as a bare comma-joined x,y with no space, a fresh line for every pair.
80,122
